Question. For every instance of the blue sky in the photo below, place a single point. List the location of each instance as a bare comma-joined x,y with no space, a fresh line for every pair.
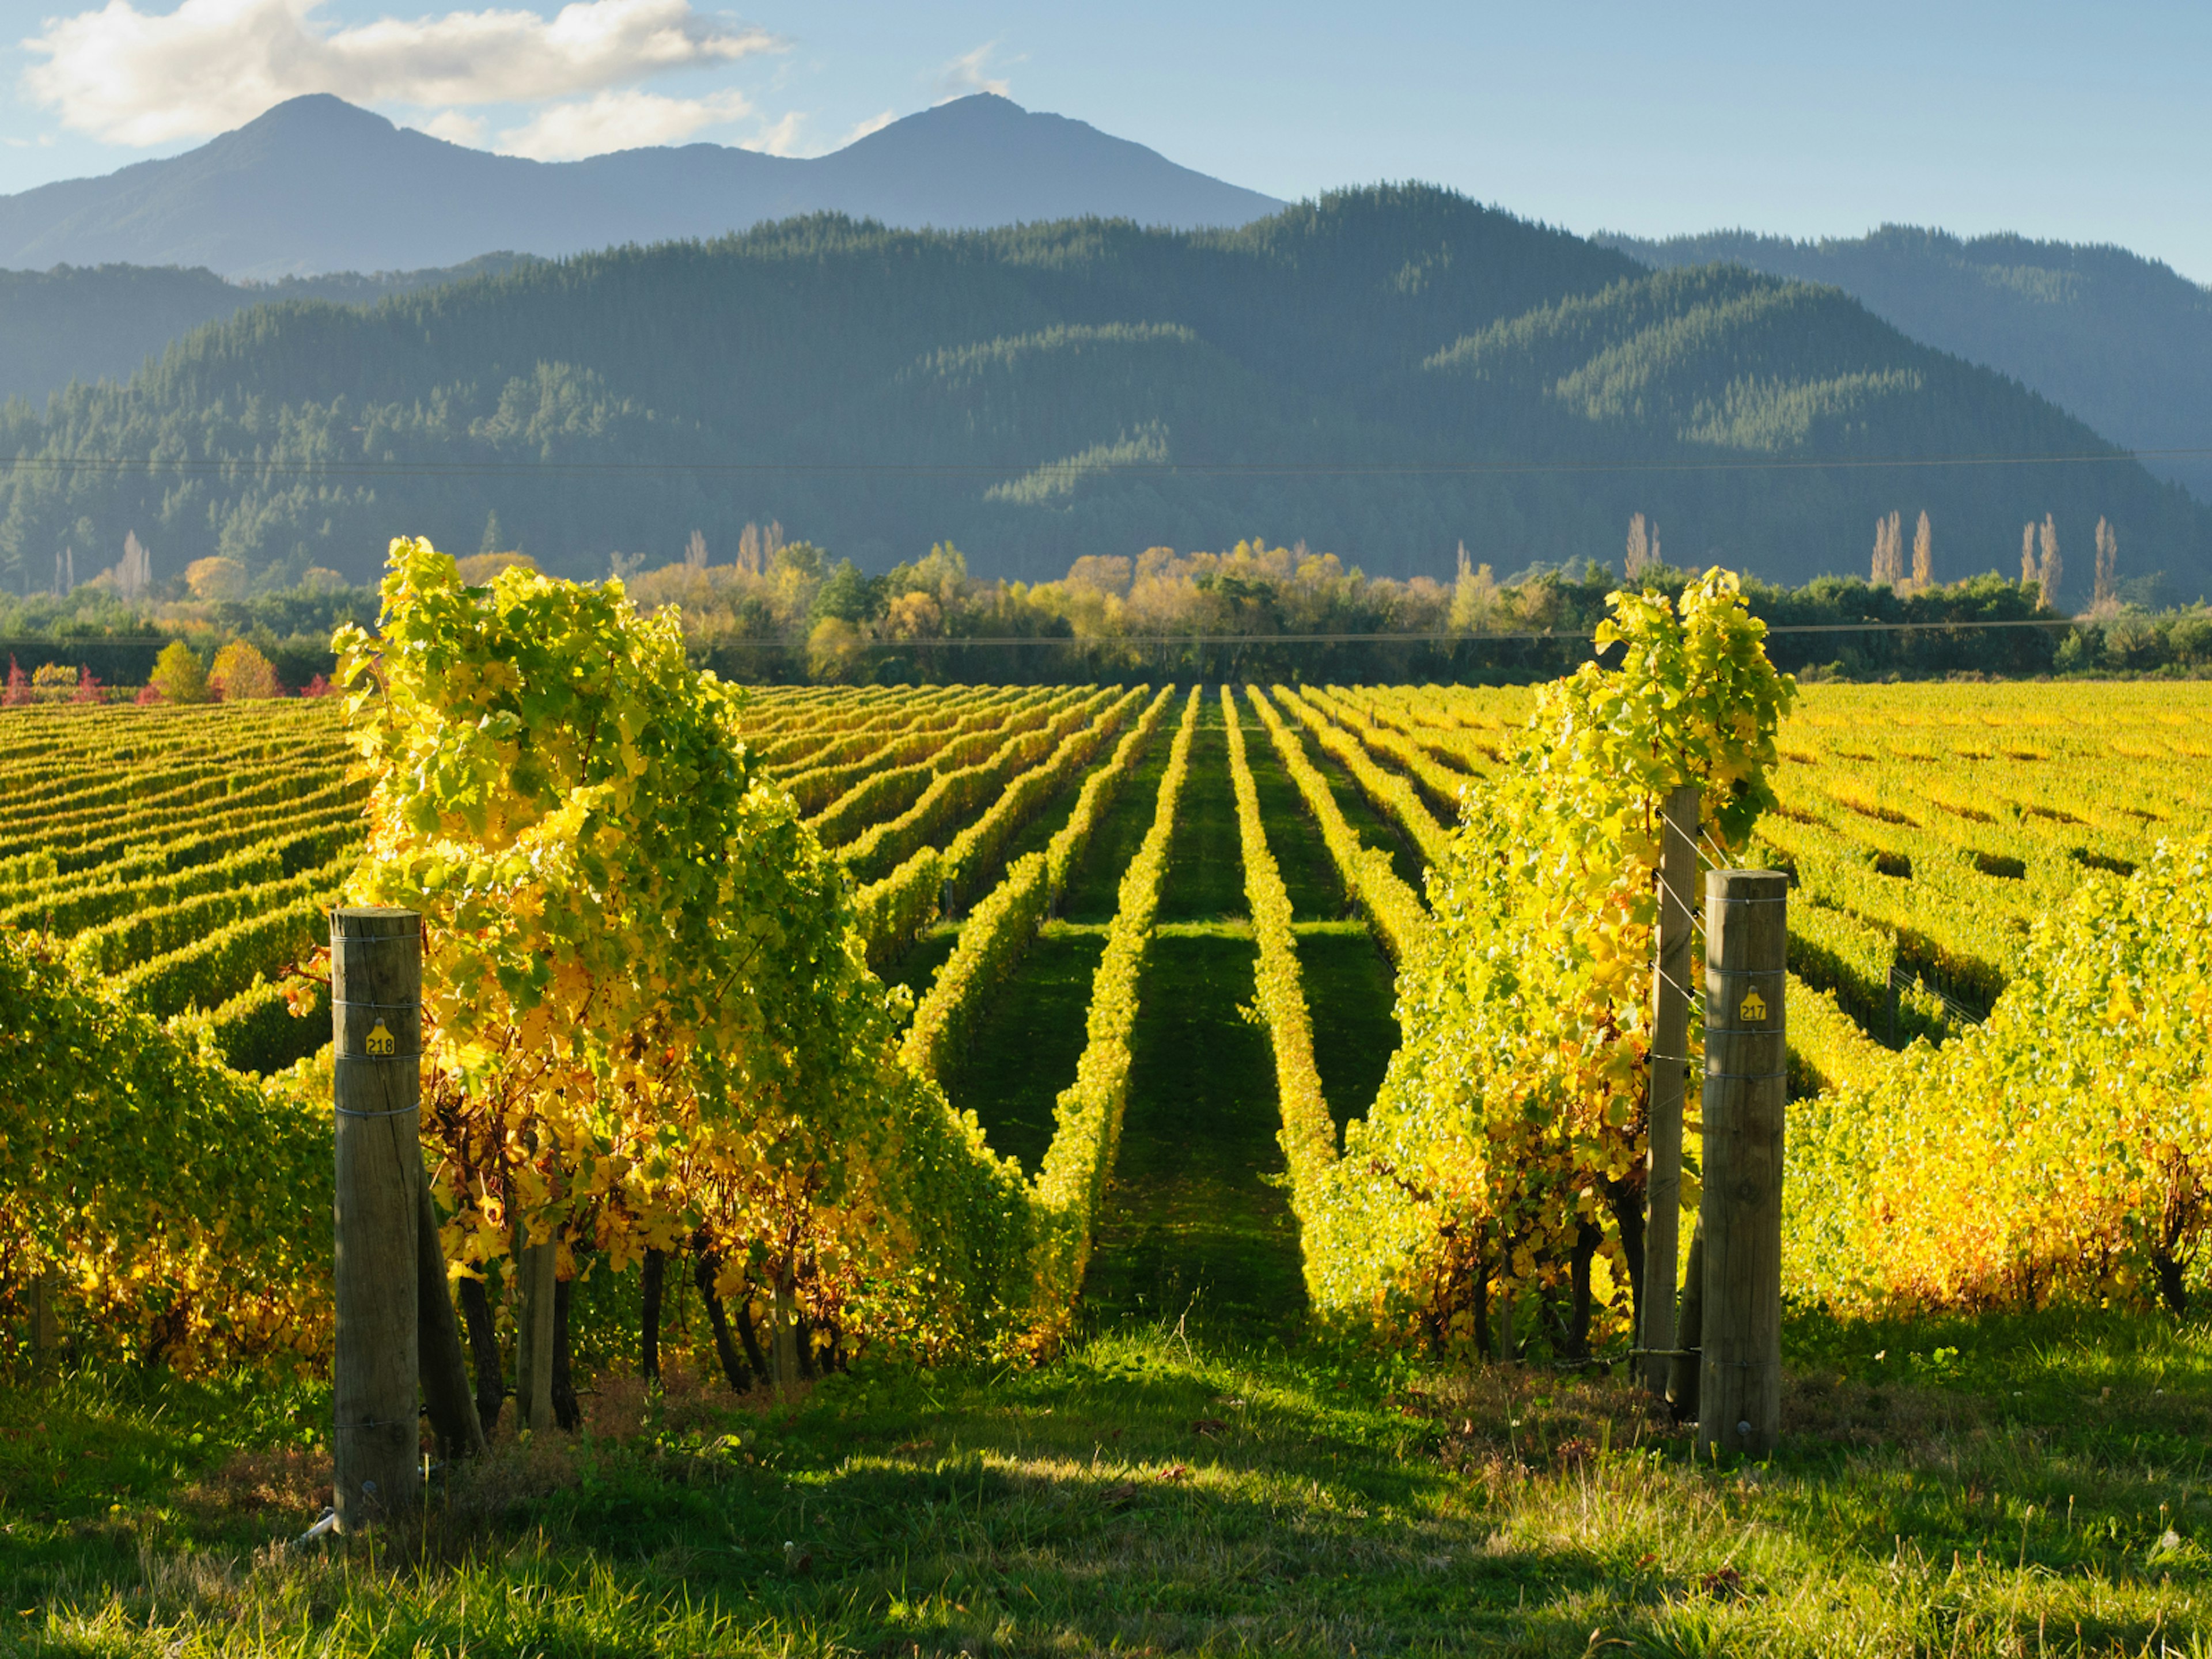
2089,124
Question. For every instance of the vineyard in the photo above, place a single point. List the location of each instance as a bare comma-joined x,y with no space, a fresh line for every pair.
920,1020
186,859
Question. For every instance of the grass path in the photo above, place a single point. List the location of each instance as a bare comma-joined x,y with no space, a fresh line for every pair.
1025,1049
1191,1224
1352,997
1316,891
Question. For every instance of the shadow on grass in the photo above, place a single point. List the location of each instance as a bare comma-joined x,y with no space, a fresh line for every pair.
1025,1050
1352,998
1192,1211
1168,1491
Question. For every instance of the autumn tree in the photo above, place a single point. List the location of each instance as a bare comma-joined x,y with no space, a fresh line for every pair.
242,674
1888,551
2053,569
1642,547
177,675
2108,559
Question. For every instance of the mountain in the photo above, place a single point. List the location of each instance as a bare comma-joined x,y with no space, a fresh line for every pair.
103,322
1385,374
2123,342
316,185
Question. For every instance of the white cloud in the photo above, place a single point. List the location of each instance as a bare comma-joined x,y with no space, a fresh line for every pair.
455,128
965,75
779,136
618,120
874,124
134,77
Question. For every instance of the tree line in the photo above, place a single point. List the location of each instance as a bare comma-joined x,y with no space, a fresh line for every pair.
783,610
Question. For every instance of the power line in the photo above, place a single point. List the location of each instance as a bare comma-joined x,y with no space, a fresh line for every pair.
426,469
1148,640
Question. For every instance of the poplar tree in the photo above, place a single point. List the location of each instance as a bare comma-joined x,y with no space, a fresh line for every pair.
2054,567
1889,551
2108,559
1923,554
1639,547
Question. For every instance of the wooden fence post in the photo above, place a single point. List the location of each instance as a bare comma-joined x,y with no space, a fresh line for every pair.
46,1320
376,1019
1746,1070
536,1283
1668,1071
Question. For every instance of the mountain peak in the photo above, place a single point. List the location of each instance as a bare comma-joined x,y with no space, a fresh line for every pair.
315,184
316,115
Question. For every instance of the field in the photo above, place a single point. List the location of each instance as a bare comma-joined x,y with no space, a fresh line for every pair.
188,853
1217,871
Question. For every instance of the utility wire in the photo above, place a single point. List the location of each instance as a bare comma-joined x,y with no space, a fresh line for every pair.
429,469
1103,640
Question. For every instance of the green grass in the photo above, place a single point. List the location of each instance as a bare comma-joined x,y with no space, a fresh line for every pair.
1373,828
1206,872
1191,1221
1351,995
1051,818
1309,876
1190,1218
1162,1490
1093,891
1025,1050
917,968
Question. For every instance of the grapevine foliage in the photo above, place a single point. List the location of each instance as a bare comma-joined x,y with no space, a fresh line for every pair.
1507,1143
2062,1149
186,1208
652,1016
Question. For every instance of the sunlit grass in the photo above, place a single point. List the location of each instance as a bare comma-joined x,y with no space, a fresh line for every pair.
1169,1489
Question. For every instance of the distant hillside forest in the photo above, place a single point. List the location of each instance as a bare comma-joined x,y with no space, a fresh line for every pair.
1386,375
103,322
785,613
2123,342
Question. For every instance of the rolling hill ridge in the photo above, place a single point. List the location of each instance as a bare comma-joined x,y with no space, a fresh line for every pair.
1386,374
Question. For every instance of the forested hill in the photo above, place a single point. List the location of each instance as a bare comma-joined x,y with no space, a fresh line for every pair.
2121,340
102,322
1386,374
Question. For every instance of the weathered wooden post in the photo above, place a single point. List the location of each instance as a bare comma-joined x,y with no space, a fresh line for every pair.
1746,1070
536,1283
46,1320
1669,1068
376,1020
